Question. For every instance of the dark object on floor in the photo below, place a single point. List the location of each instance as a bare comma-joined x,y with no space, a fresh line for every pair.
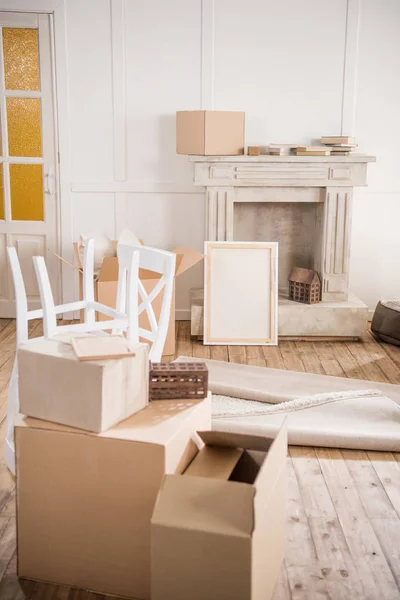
178,381
386,322
304,286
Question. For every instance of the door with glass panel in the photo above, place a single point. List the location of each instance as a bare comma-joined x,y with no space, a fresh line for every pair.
28,191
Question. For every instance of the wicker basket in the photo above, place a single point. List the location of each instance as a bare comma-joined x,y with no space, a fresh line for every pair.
178,381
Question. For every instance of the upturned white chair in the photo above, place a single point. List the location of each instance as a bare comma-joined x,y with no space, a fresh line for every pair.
120,320
128,280
23,316
126,314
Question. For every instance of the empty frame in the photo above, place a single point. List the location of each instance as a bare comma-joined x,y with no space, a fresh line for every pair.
241,293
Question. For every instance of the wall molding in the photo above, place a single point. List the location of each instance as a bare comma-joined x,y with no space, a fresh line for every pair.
207,55
350,67
118,61
143,187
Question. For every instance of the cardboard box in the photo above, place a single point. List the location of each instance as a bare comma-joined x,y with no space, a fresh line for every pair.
107,283
218,530
210,132
56,386
84,501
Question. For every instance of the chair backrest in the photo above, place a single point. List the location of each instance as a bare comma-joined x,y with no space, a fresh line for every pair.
23,315
162,263
128,297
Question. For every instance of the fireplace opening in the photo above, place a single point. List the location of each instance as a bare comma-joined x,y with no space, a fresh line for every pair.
296,226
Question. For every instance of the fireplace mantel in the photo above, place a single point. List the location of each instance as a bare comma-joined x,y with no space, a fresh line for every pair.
327,181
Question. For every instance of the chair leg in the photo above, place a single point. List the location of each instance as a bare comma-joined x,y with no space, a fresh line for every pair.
12,412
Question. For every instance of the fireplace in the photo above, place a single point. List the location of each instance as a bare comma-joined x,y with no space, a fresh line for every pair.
294,225
304,203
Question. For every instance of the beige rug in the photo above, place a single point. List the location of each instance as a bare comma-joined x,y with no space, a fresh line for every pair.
320,410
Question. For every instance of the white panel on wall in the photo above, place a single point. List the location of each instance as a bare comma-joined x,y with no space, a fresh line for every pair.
375,263
163,76
93,214
377,123
281,62
375,253
171,220
90,89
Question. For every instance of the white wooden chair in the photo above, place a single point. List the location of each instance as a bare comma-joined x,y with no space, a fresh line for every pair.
23,316
120,320
128,281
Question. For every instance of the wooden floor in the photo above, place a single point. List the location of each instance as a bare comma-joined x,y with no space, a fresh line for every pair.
343,527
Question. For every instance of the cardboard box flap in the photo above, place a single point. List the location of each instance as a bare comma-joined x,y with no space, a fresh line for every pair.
109,269
204,504
236,440
185,259
217,463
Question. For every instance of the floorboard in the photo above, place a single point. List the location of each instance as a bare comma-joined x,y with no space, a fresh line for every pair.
343,509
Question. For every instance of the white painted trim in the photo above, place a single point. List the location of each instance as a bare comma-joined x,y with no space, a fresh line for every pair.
23,160
4,137
350,67
22,94
207,55
143,187
29,6
118,57
21,21
69,293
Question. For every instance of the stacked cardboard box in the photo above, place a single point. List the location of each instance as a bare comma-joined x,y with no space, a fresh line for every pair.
139,505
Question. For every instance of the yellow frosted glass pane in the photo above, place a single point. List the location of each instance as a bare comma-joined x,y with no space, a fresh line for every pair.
24,128
21,58
26,184
1,193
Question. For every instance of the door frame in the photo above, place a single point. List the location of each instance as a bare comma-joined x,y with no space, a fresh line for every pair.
58,40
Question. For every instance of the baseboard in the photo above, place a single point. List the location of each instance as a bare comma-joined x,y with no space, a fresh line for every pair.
182,314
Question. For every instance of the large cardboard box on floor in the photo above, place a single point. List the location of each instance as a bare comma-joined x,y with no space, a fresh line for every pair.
218,529
84,501
56,386
107,282
210,132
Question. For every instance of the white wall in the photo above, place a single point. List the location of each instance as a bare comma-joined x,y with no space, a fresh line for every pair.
299,68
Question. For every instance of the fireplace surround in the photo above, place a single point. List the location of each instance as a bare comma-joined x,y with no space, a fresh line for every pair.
305,204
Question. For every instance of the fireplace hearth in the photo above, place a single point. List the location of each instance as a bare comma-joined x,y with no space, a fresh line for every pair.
305,204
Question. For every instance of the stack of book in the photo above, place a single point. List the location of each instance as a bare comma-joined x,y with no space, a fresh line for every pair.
282,149
339,145
312,151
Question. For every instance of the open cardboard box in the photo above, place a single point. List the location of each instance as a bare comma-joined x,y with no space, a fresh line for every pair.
107,282
218,529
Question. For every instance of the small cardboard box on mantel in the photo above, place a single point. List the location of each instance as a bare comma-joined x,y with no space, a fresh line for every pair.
218,529
107,283
210,132
93,395
84,501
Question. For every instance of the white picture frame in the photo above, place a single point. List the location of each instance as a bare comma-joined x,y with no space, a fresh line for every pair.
241,293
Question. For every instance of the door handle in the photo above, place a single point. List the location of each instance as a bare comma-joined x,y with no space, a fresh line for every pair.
48,181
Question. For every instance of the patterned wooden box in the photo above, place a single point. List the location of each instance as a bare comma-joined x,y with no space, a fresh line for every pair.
178,381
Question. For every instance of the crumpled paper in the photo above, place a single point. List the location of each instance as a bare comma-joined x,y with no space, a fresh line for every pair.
104,247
